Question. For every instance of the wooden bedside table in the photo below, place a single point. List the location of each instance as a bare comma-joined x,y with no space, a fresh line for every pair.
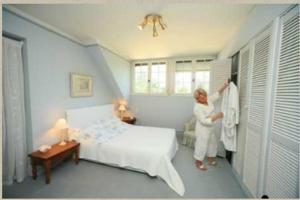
129,120
53,157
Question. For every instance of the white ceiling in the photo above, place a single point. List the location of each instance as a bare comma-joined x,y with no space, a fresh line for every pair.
193,28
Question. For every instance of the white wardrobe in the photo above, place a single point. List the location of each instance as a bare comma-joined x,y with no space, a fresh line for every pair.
267,158
220,71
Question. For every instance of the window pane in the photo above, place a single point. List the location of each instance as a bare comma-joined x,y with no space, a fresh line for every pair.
183,82
202,80
141,79
158,78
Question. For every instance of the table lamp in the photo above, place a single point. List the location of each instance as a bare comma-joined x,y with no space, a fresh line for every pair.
122,109
62,126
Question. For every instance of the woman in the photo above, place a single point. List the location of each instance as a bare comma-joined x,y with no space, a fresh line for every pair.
206,143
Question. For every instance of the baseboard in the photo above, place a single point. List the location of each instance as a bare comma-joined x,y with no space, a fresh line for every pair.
243,186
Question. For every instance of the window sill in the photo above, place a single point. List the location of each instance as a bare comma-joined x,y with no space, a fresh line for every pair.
141,94
162,95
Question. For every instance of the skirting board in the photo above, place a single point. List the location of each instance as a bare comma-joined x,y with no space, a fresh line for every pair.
244,187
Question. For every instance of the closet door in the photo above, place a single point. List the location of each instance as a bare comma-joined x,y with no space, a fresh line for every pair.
238,156
256,112
220,72
282,172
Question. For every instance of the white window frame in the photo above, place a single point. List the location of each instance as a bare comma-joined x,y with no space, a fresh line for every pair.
204,70
170,75
133,79
174,77
150,78
193,82
149,62
195,71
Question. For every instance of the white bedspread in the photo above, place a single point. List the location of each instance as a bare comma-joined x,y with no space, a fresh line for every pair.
145,148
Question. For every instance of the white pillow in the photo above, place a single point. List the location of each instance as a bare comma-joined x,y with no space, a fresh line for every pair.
74,134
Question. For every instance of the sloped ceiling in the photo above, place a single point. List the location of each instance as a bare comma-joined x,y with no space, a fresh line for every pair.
193,28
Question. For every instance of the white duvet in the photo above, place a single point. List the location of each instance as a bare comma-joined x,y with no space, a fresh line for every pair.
143,148
105,129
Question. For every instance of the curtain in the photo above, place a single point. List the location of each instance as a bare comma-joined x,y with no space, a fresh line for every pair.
14,152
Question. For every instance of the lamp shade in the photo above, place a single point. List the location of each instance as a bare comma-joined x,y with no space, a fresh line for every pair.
123,102
122,107
61,124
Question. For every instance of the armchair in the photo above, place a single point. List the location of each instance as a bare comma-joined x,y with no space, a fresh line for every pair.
189,136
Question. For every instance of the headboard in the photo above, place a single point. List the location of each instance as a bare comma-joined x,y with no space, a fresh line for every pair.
80,117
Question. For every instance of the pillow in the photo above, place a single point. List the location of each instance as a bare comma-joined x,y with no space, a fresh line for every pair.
74,134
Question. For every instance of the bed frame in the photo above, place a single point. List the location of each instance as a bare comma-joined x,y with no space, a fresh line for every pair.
79,117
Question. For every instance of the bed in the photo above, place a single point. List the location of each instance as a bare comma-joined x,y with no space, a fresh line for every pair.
140,148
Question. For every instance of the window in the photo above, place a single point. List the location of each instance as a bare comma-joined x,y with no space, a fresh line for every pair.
183,77
202,74
190,75
150,78
141,78
202,80
158,77
180,77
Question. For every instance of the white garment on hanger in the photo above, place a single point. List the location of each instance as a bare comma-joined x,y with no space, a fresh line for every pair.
230,108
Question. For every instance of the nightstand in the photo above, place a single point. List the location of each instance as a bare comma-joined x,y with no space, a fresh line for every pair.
52,157
129,120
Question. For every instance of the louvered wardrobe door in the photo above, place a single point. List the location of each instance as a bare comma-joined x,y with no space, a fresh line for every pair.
255,126
220,72
283,158
238,156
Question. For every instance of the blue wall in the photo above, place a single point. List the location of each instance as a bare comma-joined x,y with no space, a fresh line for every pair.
115,68
50,60
120,69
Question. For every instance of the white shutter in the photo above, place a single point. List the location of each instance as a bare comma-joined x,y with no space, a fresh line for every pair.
283,160
183,66
202,65
238,156
256,111
220,71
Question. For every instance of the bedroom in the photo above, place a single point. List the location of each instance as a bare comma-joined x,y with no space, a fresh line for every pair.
75,62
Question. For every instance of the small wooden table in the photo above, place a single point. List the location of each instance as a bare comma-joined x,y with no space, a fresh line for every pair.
52,157
129,120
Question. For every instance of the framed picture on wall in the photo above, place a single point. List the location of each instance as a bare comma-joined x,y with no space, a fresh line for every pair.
81,85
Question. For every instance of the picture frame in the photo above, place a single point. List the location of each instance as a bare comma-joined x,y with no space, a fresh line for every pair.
81,85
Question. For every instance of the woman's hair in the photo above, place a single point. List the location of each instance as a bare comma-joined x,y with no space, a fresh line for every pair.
199,91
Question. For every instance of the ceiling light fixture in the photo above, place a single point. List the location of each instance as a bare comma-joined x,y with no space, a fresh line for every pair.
153,19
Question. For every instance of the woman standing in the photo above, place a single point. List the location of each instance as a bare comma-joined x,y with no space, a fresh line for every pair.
206,143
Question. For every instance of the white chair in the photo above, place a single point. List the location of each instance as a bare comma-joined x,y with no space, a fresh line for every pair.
189,136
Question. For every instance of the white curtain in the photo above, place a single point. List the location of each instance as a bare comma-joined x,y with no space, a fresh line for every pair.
13,113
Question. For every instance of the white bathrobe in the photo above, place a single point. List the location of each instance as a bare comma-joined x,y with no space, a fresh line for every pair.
230,108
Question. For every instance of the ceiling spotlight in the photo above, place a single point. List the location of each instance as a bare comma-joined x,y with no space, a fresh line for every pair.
143,24
153,19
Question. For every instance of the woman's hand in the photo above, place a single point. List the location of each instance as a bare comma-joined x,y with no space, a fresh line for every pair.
221,90
217,116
